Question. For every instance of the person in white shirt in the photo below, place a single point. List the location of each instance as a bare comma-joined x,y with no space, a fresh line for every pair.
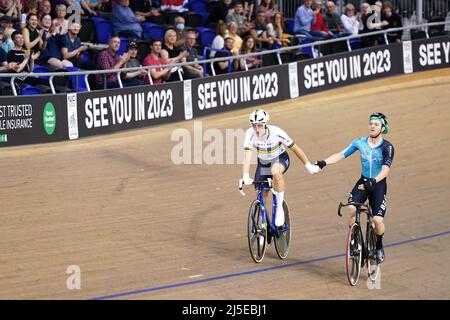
350,21
271,142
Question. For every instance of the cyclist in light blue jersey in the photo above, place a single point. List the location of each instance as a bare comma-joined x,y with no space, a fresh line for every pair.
376,156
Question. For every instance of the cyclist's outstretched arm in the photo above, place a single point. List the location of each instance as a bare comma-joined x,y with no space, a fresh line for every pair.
312,169
331,159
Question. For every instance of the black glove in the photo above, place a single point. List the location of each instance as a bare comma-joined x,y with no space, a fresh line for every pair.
321,164
369,184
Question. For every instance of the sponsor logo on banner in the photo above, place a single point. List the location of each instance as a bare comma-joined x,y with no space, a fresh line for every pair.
72,115
127,108
293,80
49,118
15,117
407,57
188,114
232,91
3,138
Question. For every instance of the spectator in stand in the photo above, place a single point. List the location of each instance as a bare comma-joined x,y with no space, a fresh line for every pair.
394,21
32,37
72,50
192,71
83,5
45,7
8,44
172,54
159,75
369,25
249,7
12,8
350,21
232,33
275,30
180,29
219,14
60,23
219,40
145,8
332,20
249,46
4,65
318,28
108,59
99,5
133,78
30,7
24,60
237,15
51,51
175,5
304,18
125,22
6,22
268,8
259,33
221,67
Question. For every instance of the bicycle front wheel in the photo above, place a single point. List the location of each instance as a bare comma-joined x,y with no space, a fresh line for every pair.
354,254
257,232
283,238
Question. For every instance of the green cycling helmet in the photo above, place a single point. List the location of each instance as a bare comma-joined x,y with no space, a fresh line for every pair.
382,118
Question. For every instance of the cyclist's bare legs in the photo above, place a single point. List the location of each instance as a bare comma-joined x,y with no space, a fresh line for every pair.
379,225
351,215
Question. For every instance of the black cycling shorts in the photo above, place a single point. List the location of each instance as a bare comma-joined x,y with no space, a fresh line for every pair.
377,198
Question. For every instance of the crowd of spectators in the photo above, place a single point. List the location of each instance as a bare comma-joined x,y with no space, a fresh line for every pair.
39,32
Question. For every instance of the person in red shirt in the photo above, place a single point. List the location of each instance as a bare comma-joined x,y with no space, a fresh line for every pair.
159,75
319,28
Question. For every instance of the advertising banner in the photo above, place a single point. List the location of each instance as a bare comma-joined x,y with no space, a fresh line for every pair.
429,54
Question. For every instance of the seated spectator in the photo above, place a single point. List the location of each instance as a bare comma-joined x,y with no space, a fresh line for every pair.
4,65
350,20
98,5
223,8
8,44
237,15
221,67
32,37
259,32
125,22
83,5
192,71
268,8
275,30
60,23
24,60
108,59
318,28
6,22
146,8
12,8
171,54
159,75
45,7
175,5
394,21
72,50
180,29
249,7
51,52
332,20
304,18
369,25
31,7
248,46
219,40
232,33
133,78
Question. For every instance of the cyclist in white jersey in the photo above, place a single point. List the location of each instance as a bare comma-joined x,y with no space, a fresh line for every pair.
271,142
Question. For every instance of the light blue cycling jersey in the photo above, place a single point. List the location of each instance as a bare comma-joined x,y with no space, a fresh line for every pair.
372,159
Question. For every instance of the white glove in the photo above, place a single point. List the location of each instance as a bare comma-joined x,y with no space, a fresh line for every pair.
312,169
247,179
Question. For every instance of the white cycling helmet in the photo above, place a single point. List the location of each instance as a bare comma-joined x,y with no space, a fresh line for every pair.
258,116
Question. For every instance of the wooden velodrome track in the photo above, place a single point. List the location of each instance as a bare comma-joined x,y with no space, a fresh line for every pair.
140,227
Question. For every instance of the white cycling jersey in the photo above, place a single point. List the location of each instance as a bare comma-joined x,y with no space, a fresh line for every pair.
271,145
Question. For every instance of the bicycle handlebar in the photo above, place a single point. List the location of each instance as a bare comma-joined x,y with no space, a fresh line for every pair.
241,184
356,204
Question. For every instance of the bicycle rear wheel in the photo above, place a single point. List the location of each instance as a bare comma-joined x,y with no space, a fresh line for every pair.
257,234
372,265
354,254
283,238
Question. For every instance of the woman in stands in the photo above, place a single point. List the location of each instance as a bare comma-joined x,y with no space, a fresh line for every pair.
268,7
350,21
275,30
51,53
171,54
60,23
32,37
248,46
219,40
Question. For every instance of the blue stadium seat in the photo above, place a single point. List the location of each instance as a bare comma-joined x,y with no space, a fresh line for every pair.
307,50
81,85
206,36
123,45
29,90
355,43
153,31
199,5
41,69
104,30
289,25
